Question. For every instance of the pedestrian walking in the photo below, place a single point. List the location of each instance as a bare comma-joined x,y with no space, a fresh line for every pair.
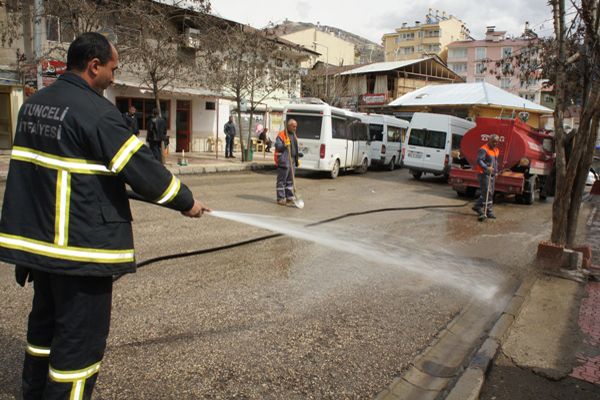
157,134
286,150
131,121
66,221
487,166
229,137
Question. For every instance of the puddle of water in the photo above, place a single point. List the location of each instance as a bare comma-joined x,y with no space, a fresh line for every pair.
439,267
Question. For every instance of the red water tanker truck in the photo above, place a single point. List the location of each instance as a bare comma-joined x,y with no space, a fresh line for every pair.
525,163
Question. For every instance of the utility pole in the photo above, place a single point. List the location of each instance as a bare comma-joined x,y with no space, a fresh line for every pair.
38,10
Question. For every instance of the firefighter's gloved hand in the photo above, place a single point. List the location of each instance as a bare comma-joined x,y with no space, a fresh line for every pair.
287,142
297,163
22,274
490,170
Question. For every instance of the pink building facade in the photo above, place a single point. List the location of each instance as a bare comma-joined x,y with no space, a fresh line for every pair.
475,61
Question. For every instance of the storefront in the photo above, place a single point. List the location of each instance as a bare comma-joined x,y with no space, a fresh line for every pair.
193,115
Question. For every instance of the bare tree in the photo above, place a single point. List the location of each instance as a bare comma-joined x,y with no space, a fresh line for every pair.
251,65
574,69
153,37
158,42
571,62
334,89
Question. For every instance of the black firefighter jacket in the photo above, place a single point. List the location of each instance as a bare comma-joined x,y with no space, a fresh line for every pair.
66,209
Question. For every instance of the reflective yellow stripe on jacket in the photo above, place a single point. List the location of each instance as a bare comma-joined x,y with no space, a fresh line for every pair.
70,253
65,166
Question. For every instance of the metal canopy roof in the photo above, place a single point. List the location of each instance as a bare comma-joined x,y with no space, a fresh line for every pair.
479,93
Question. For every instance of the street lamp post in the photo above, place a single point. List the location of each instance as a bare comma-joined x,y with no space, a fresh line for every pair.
326,67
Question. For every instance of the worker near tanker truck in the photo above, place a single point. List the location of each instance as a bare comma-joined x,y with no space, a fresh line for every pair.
66,221
286,142
487,166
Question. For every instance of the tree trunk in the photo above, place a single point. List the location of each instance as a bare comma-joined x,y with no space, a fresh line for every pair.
238,100
562,198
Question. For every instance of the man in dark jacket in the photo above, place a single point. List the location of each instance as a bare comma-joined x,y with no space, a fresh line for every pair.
229,130
286,149
66,221
157,134
131,121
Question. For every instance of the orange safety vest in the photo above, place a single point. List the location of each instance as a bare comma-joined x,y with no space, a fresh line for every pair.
491,153
284,137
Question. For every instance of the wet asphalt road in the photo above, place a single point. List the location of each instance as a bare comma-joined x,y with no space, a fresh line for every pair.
286,318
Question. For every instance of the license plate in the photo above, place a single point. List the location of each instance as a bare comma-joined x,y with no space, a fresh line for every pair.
415,154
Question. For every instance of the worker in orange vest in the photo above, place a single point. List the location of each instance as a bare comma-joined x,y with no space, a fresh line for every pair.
487,166
286,142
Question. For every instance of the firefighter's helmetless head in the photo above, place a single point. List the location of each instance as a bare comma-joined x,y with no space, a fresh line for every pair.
292,125
93,58
493,142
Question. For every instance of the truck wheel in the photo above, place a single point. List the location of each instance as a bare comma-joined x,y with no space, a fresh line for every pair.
336,170
416,174
392,165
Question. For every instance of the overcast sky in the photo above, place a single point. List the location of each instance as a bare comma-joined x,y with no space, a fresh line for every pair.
372,18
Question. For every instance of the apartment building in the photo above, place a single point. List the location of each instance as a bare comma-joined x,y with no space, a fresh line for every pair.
476,61
333,49
424,38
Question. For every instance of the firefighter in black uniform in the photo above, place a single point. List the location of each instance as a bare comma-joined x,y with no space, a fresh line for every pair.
66,221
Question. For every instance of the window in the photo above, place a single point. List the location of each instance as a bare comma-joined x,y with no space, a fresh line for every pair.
479,68
279,62
309,127
407,50
376,132
58,30
548,99
52,28
210,105
427,138
338,128
359,131
507,52
480,53
459,52
456,139
458,67
394,134
407,36
144,109
505,83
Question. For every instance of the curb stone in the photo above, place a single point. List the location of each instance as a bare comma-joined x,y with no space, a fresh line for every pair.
470,383
441,363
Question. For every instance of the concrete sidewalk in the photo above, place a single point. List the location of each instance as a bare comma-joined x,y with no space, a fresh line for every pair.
552,350
197,163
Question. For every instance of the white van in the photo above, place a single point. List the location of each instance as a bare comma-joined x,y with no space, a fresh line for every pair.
387,134
331,139
430,140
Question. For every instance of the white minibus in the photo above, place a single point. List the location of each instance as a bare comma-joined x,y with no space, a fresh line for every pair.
387,134
330,139
430,140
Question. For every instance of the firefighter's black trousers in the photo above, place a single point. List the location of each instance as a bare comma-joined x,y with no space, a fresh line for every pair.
66,336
